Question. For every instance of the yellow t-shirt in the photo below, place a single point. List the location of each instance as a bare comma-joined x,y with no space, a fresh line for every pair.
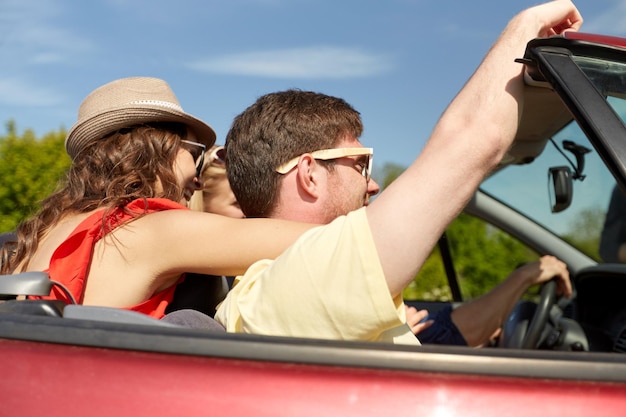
328,285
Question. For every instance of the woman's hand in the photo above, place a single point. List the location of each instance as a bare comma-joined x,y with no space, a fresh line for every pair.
414,319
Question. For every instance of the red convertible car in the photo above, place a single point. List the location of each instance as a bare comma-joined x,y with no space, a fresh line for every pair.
555,356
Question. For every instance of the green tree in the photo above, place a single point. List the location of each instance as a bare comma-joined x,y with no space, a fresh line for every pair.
30,169
482,256
431,283
585,231
389,173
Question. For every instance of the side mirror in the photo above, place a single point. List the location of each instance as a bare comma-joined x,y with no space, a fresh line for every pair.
560,188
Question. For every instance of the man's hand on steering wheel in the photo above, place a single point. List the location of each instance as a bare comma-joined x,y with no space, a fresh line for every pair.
543,270
554,276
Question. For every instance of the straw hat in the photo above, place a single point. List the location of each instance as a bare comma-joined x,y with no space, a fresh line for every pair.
127,102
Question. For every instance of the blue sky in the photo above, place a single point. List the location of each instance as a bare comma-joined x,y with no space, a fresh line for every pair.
399,62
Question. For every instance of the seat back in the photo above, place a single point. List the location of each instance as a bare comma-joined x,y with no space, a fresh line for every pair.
39,284
110,315
7,237
25,283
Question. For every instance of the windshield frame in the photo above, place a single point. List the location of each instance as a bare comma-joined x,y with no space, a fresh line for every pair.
554,60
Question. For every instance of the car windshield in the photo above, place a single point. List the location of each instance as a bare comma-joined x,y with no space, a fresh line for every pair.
525,187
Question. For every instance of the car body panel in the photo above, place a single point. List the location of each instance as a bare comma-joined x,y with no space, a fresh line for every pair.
104,368
131,383
50,378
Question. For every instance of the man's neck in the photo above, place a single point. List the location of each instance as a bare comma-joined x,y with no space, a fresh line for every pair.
298,214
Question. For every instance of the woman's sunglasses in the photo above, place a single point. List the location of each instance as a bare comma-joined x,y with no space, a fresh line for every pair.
197,151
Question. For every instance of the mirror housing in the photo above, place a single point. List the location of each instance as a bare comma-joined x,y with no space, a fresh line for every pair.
560,188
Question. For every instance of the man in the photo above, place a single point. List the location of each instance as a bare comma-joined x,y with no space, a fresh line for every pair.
296,155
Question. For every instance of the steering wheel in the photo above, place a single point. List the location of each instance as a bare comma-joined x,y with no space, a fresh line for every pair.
540,318
516,334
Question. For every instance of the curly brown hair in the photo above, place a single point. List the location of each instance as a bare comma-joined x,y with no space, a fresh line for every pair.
109,173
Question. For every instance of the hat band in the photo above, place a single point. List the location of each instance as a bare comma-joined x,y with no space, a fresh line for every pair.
158,103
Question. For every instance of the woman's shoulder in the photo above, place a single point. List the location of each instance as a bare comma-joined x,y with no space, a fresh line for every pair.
154,204
57,234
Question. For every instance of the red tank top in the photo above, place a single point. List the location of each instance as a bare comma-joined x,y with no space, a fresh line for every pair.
71,260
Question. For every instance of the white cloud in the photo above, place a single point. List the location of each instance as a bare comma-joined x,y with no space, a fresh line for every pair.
46,58
16,92
312,62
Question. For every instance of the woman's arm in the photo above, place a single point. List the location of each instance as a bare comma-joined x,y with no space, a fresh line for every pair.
188,241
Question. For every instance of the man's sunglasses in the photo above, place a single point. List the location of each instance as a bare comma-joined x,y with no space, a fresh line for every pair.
335,153
197,151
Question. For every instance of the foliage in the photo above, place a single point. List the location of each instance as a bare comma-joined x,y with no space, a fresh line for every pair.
30,169
480,262
483,256
585,232
485,259
430,283
390,172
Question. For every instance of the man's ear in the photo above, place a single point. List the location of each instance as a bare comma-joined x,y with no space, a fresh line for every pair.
307,175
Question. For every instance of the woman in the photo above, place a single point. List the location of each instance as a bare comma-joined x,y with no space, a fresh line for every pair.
198,292
215,196
118,233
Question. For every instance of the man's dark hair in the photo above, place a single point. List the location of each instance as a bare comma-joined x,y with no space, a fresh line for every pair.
275,129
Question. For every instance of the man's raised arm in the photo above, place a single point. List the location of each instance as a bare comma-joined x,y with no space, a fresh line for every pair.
469,140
